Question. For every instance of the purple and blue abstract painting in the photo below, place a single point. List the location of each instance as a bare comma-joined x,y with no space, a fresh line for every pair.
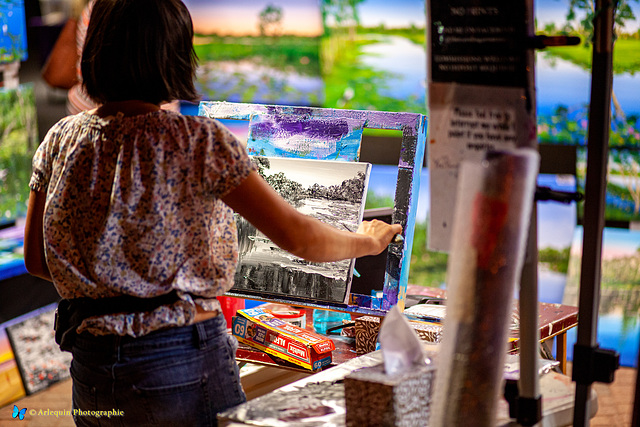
305,137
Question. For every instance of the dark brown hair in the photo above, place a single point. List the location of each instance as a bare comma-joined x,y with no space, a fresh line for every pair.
139,49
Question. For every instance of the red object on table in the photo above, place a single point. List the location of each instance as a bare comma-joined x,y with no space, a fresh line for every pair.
554,321
229,307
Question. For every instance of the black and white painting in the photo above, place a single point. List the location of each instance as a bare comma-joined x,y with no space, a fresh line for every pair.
333,192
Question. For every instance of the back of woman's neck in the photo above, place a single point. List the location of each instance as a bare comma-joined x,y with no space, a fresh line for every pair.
131,107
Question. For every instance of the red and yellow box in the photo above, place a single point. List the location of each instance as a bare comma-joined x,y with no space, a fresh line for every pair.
260,329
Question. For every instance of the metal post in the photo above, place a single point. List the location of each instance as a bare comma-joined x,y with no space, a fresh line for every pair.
529,399
528,386
597,158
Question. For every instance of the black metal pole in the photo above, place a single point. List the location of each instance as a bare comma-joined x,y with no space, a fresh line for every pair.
597,157
529,400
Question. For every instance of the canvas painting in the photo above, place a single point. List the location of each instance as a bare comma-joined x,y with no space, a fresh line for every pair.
622,196
40,360
258,51
373,55
618,325
13,31
305,138
11,388
18,142
333,192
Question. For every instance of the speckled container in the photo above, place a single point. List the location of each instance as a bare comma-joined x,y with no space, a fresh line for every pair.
368,327
374,398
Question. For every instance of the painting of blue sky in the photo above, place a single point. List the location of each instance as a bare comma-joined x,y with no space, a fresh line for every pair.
547,11
392,14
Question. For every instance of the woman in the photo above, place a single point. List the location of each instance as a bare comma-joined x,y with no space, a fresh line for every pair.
130,216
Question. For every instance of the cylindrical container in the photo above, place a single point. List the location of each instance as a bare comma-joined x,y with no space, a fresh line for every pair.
490,228
229,306
294,316
326,319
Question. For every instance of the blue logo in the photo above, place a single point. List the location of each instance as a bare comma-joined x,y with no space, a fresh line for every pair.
18,413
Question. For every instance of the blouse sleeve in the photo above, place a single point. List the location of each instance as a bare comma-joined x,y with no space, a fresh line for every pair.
42,163
226,162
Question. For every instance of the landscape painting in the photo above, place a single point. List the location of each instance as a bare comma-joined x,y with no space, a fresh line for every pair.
330,191
373,55
18,142
258,51
563,86
13,31
622,196
618,321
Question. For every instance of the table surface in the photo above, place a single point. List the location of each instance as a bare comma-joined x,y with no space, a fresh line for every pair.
319,399
554,319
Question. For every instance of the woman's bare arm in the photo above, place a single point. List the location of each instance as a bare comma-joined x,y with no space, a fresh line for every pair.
301,234
34,257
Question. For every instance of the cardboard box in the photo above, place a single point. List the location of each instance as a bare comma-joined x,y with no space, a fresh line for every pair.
374,398
368,327
258,328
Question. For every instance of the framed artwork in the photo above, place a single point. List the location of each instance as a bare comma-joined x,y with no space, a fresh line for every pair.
38,357
13,31
258,51
618,325
11,388
18,142
333,192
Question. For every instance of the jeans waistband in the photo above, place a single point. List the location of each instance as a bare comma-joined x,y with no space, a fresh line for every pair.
198,334
71,312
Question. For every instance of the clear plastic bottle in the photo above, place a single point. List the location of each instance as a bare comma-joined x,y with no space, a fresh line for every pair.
325,319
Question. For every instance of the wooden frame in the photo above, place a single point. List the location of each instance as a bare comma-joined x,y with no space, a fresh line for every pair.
414,131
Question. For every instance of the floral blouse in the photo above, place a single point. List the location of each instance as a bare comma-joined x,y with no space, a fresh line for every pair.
133,207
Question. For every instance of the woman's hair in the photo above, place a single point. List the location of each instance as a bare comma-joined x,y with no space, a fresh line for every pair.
139,49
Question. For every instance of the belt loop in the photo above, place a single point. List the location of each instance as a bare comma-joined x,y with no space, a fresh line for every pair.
201,334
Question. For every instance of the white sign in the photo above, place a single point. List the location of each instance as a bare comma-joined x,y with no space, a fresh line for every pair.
465,122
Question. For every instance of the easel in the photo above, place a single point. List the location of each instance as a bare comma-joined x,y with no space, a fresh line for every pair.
413,127
590,363
510,48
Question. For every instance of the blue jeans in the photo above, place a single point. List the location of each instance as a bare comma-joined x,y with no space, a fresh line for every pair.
177,376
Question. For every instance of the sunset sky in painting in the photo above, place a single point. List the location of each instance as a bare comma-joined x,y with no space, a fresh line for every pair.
241,17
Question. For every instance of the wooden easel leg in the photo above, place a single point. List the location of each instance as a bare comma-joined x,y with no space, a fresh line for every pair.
561,351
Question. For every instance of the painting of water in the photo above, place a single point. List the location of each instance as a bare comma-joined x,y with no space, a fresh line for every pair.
258,51
333,192
622,196
563,75
618,322
373,55
13,31
556,225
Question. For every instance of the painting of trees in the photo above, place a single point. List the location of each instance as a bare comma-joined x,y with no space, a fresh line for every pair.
270,21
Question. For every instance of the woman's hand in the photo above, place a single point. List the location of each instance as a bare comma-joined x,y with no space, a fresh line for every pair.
380,232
